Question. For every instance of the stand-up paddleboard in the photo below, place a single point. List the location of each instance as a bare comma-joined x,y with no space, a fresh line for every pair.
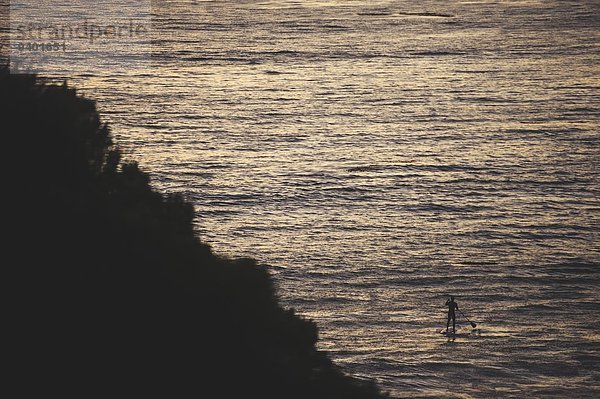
454,334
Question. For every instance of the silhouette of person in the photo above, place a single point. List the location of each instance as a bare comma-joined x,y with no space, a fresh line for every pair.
452,307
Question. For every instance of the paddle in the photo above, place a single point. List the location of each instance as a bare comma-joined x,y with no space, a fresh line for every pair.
472,324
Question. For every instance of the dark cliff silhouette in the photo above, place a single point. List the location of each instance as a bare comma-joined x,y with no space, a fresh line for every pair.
111,293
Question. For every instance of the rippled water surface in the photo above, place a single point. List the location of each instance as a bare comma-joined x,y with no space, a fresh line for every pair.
381,155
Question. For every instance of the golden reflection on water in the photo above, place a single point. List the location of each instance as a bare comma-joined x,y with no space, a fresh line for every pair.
379,161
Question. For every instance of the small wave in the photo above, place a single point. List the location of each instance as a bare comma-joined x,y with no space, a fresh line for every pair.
481,71
536,308
576,267
487,99
218,212
221,59
438,53
335,27
426,14
366,168
273,72
374,13
196,173
545,131
425,167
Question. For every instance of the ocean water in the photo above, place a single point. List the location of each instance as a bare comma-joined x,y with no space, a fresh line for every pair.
381,155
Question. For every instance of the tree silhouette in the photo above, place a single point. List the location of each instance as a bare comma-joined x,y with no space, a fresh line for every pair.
110,292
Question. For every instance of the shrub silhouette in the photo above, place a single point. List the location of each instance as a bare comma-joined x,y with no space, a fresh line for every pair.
110,292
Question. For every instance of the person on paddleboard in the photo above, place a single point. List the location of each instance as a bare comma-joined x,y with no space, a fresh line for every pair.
452,308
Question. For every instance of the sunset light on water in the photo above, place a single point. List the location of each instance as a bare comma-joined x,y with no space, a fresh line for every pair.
378,157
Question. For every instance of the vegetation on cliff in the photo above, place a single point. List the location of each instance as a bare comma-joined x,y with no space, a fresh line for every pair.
110,290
